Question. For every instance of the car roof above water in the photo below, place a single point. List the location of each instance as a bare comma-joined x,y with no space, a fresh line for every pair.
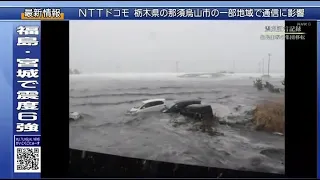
199,106
153,100
195,101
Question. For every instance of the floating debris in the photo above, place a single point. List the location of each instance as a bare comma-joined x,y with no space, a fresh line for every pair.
271,88
278,133
258,84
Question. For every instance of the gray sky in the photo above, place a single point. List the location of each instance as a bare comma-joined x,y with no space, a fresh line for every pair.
155,46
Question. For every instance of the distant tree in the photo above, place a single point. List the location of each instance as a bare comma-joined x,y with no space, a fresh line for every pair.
76,71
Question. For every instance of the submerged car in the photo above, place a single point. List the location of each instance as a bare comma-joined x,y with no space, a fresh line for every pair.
190,108
151,105
74,116
178,106
198,111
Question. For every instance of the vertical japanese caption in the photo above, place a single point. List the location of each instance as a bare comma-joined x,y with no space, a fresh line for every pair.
27,76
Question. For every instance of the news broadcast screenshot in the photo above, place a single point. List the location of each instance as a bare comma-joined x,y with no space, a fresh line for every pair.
159,89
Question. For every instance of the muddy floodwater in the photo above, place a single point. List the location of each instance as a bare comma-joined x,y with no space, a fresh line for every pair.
103,100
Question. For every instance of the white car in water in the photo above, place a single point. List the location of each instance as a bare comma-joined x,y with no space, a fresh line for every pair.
151,105
74,116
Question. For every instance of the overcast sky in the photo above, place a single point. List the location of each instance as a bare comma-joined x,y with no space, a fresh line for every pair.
156,46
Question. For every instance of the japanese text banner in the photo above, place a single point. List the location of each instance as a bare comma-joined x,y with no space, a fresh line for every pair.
161,13
26,99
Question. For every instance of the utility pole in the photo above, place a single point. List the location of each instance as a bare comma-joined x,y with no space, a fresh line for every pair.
262,66
234,67
269,64
259,69
177,66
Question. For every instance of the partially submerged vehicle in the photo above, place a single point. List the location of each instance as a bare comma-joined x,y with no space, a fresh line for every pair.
74,116
203,114
178,106
188,108
198,111
192,109
151,105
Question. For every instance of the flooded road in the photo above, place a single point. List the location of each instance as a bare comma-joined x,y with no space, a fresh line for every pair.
103,100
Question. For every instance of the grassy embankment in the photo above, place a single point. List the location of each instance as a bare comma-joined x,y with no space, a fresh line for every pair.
270,116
